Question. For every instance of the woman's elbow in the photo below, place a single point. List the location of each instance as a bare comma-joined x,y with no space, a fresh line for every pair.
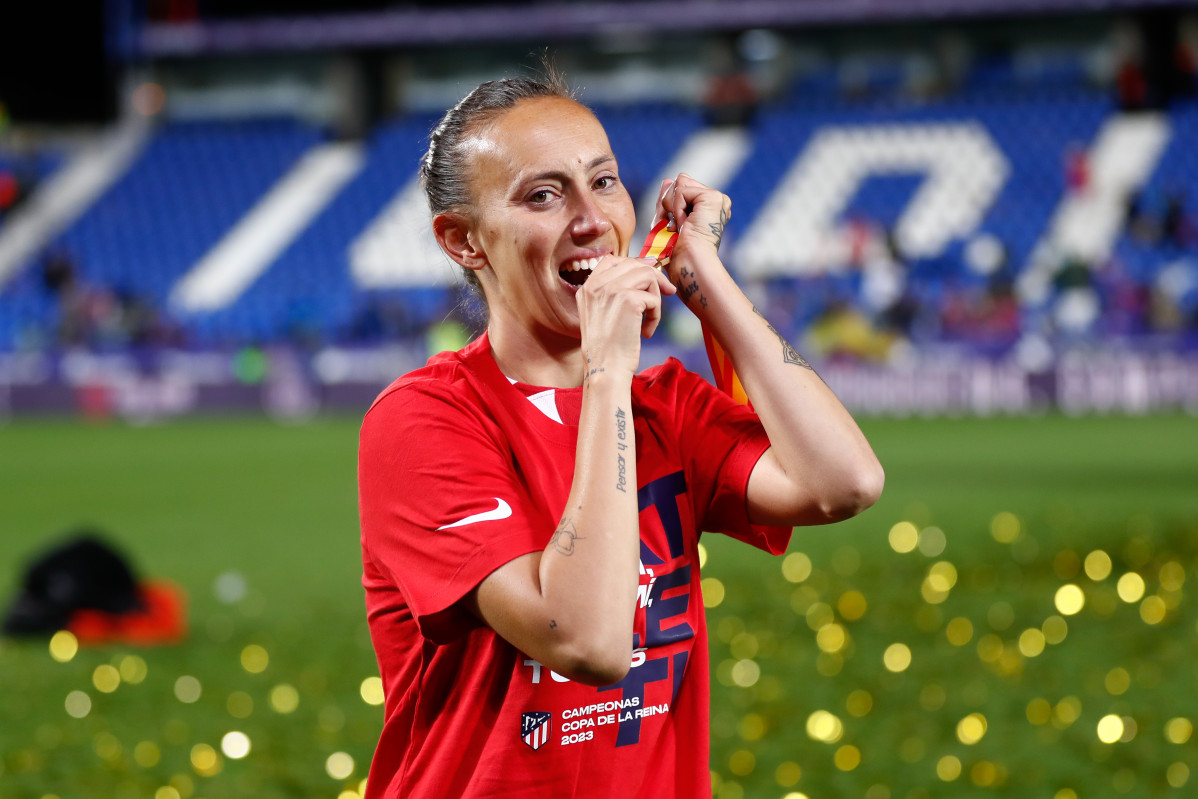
595,665
855,493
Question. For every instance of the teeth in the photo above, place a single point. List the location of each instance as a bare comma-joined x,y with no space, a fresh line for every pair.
588,264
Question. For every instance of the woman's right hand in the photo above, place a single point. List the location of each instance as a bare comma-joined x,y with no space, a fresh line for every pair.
618,305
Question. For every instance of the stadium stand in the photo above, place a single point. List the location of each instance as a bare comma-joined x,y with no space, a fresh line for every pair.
938,212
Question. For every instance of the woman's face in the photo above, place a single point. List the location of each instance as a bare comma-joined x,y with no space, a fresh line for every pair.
547,198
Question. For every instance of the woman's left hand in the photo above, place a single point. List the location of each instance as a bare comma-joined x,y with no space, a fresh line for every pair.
700,214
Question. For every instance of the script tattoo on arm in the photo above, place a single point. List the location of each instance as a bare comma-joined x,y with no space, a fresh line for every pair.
565,537
717,228
621,446
789,353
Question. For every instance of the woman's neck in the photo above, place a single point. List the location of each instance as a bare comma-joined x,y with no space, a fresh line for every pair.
538,360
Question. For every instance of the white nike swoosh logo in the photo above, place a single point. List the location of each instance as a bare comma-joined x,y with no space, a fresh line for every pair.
502,511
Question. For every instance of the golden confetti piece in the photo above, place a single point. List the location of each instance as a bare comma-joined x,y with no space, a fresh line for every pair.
897,657
795,795
751,727
1130,587
205,760
1069,599
255,659
932,696
796,567
932,541
1005,527
347,794
184,785
371,691
948,768
188,689
985,774
147,754
818,615
1031,642
744,645
746,673
339,766
1177,775
859,703
1066,712
742,762
1055,629
1117,681
847,757
829,664
106,678
713,592
167,792
852,605
702,556
235,744
78,704
959,631
942,576
831,638
912,750
904,537
1172,576
731,790
1065,793
107,746
240,705
1110,728
788,774
1153,610
63,646
133,669
1098,565
990,648
971,729
1178,730
284,698
824,727
1039,711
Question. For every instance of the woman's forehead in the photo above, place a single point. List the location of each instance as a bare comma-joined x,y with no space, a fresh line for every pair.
544,133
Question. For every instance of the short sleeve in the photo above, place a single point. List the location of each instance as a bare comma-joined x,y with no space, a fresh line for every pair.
439,504
722,441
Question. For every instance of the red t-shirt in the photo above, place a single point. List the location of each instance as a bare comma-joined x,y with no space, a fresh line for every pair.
459,473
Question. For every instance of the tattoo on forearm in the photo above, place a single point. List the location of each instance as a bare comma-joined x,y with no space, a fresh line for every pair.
621,447
789,353
587,375
717,228
565,537
688,286
553,624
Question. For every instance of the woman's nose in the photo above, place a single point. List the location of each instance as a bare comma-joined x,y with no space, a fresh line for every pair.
590,220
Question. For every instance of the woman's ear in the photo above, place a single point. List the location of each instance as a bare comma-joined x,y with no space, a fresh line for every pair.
454,234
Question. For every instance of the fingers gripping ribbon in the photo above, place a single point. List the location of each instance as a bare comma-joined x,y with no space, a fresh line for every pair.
659,245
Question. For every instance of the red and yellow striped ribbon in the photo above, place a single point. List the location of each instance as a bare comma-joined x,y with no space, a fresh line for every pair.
659,245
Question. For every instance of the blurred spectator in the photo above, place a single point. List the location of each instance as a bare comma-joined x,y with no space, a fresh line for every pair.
1077,168
96,317
1177,227
1131,86
731,96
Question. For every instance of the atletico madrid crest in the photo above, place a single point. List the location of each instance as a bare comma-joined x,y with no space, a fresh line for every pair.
534,729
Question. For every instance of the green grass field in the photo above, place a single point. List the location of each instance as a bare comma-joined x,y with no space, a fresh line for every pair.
996,693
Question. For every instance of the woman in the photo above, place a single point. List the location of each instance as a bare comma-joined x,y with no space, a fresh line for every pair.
531,506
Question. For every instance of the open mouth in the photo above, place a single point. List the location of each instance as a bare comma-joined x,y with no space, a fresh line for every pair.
576,272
